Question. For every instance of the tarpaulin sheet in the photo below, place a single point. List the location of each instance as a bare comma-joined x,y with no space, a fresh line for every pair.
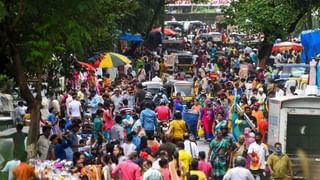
130,37
311,44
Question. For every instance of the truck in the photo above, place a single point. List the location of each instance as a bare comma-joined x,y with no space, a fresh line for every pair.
294,122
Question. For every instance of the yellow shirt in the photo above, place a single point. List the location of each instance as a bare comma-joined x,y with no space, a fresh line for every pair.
200,174
179,127
280,165
186,158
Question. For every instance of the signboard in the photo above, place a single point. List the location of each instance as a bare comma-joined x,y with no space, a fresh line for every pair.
274,122
209,2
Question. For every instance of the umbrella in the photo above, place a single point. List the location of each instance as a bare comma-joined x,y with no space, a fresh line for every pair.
167,31
284,46
86,65
113,60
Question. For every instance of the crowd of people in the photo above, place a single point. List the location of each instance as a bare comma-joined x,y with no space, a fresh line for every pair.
113,125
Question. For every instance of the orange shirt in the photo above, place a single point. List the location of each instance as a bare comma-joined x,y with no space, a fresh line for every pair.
258,115
23,171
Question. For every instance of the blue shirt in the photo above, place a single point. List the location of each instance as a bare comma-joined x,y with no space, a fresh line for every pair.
59,151
52,118
94,103
136,140
148,119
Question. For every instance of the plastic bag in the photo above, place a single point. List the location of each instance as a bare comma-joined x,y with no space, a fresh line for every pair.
200,131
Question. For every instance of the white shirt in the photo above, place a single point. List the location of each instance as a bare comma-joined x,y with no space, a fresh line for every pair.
74,108
126,67
117,100
238,173
289,84
45,108
156,66
128,148
43,146
262,152
156,165
56,105
156,79
9,167
192,148
279,93
68,100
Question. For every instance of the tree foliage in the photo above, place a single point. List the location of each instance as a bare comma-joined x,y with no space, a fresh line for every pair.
276,19
33,32
273,18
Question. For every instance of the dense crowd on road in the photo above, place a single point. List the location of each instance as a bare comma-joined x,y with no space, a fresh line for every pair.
112,128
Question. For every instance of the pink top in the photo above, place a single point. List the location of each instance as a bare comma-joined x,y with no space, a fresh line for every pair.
129,170
205,167
165,173
107,119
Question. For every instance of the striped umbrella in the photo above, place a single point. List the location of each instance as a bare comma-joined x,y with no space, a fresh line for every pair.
285,46
113,60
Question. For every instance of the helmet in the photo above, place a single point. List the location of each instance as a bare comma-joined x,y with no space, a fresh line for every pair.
148,95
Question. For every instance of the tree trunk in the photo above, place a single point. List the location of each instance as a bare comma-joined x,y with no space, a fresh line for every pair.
34,129
264,52
33,102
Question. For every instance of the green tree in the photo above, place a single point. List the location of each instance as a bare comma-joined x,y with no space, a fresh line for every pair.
273,18
33,32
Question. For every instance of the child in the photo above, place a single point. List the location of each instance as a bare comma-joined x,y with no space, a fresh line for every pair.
164,169
203,165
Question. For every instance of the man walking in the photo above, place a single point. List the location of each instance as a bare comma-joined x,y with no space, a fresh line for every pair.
258,153
279,164
239,172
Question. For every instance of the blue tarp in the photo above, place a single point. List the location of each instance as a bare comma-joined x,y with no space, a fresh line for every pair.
130,37
311,45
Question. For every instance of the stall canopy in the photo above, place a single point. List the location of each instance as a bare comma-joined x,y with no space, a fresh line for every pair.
130,37
311,43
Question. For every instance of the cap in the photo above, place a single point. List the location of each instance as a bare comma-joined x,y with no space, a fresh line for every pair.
260,89
144,154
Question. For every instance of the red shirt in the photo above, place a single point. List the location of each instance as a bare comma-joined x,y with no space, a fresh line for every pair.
107,120
163,112
263,128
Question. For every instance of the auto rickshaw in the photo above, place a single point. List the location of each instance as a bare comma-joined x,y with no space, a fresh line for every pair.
153,87
184,87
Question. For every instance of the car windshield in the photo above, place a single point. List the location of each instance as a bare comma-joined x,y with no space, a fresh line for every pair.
185,90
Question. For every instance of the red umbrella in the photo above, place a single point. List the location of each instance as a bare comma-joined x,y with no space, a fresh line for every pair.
285,46
87,66
167,31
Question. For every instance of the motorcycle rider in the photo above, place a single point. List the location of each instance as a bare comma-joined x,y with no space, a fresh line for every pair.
148,99
160,96
163,111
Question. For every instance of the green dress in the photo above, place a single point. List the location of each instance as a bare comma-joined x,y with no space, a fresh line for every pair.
19,145
97,127
219,161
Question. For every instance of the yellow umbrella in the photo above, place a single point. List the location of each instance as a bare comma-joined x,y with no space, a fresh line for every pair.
113,60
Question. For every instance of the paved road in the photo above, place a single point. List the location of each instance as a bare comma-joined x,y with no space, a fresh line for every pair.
203,146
